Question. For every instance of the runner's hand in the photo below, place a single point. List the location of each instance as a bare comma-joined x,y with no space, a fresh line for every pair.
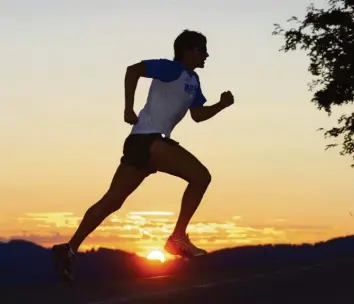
226,99
130,117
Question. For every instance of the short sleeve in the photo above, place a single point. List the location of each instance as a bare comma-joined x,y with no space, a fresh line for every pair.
199,99
163,69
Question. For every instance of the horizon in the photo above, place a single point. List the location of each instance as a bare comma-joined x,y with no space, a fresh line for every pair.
63,67
169,257
149,260
142,232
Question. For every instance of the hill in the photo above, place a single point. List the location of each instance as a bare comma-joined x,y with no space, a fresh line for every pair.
23,262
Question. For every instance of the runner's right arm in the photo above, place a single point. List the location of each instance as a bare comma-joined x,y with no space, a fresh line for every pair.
161,69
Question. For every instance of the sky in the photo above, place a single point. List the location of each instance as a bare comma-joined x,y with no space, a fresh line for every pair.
62,129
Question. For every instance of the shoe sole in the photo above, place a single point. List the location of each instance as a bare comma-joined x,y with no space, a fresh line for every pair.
172,251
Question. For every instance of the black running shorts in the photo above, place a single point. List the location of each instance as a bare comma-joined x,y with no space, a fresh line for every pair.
136,150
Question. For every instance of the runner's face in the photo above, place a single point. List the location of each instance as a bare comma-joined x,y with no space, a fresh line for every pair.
200,54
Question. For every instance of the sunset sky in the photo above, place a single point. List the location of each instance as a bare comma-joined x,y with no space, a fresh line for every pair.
62,130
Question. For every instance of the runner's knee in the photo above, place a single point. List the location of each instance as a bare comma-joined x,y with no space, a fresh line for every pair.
202,177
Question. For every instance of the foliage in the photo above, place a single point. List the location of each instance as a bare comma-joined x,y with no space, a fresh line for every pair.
327,37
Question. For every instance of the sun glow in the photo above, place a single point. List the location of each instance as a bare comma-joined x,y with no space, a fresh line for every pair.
156,255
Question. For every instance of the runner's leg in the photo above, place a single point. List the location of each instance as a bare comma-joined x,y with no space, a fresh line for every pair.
126,179
175,160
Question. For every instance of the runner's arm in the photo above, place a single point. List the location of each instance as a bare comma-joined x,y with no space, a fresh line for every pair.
202,113
199,112
132,75
161,69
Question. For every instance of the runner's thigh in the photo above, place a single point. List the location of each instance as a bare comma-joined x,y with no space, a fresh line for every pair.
175,160
126,179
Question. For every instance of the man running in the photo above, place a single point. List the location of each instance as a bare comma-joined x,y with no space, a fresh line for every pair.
175,89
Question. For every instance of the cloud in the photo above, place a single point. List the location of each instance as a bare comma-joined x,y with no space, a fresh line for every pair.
141,229
55,238
40,239
58,219
152,213
280,220
237,218
289,226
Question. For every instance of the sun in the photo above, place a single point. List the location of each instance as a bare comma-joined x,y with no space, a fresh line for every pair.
156,255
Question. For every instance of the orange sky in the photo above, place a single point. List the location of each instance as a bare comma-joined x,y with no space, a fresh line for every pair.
143,232
62,130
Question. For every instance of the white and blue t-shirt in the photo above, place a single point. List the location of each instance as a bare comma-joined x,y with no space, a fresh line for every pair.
172,92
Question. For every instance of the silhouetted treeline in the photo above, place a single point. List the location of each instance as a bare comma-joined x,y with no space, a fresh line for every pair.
23,262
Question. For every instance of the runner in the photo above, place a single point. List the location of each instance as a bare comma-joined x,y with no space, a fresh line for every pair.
175,89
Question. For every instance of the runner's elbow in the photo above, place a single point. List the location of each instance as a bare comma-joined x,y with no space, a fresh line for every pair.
195,114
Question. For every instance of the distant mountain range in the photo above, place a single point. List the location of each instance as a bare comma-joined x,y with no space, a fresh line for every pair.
23,262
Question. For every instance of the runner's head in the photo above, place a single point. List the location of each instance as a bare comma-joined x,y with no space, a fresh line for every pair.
191,47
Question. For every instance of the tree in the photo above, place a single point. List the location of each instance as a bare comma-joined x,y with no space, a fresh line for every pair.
327,36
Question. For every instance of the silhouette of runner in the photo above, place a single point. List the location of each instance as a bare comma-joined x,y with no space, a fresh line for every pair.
175,89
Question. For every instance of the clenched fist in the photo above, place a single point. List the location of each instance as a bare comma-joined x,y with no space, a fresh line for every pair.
130,117
226,99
